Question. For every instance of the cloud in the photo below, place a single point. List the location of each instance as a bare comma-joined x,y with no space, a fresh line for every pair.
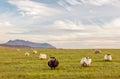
92,2
4,26
94,36
73,2
70,34
99,2
75,26
5,23
28,7
67,29
69,5
64,5
67,24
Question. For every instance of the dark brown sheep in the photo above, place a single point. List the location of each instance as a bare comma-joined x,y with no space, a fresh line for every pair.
97,51
53,62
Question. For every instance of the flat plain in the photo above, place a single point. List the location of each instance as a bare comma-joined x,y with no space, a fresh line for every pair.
15,65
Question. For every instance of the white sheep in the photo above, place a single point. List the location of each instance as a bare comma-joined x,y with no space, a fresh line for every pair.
27,54
42,56
18,49
34,52
85,62
107,57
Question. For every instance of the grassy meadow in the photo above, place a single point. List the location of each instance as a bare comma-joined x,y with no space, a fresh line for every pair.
14,64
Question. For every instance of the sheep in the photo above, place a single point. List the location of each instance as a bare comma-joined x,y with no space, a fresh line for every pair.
53,62
85,62
97,51
18,49
107,57
34,52
27,54
42,56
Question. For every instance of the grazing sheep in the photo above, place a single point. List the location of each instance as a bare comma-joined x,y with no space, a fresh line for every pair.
18,49
86,61
97,51
53,62
107,57
34,52
43,56
27,54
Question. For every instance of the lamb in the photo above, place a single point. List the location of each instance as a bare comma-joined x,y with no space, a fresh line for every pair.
86,61
53,62
107,57
97,51
27,54
34,52
43,56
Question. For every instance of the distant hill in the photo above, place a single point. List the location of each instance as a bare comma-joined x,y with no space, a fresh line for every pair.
15,46
23,43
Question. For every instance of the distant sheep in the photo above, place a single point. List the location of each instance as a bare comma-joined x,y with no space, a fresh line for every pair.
34,52
27,54
43,56
107,57
85,62
97,51
53,62
18,49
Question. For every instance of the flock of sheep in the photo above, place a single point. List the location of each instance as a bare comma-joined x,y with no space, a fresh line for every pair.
53,62
85,61
41,56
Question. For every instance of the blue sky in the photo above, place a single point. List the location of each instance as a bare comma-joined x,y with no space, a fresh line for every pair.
62,23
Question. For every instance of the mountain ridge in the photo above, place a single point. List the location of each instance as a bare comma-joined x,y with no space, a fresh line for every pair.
19,42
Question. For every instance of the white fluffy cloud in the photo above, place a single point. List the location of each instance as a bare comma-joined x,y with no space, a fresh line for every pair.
111,28
69,34
67,25
107,35
4,26
28,7
5,23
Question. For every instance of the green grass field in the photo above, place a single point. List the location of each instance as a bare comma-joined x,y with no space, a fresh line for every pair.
14,65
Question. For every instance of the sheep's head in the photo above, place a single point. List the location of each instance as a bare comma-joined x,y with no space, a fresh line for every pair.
87,57
108,54
52,58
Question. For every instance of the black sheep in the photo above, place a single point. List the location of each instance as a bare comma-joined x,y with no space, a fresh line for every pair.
53,62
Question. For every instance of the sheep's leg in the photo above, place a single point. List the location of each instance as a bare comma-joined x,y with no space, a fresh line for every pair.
54,68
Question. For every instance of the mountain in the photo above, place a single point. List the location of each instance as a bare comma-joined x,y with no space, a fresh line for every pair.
14,46
24,43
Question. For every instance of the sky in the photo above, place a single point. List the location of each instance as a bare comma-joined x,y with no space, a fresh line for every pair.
62,23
